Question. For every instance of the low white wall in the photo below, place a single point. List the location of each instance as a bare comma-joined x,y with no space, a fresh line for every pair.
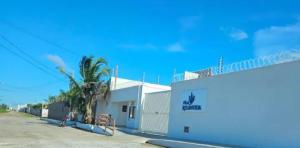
254,108
44,113
92,128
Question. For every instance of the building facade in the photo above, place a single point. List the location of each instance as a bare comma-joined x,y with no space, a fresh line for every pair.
254,108
125,102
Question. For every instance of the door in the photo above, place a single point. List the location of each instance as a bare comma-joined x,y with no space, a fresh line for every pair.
122,114
155,114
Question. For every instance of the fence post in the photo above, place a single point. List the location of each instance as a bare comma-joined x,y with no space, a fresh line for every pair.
114,127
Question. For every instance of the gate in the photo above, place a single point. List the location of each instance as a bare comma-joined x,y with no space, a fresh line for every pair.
155,114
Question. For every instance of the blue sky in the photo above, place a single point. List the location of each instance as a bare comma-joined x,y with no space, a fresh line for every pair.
154,37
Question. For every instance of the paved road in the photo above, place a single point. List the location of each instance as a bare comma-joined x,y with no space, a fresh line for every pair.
22,130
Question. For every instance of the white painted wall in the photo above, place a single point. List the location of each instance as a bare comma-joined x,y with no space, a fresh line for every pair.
21,107
125,94
122,83
131,93
254,108
44,113
190,75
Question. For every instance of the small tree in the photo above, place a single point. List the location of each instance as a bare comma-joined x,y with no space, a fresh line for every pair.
37,106
3,108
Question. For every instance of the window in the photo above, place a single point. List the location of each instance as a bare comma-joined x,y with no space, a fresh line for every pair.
124,108
132,112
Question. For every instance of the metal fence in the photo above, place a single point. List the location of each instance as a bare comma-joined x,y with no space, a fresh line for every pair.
282,57
58,110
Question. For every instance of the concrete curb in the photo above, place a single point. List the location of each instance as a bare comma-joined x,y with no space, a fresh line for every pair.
179,144
57,122
86,127
126,130
92,128
159,142
51,121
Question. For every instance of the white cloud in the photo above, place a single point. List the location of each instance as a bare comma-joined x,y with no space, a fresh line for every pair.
238,34
176,47
147,46
277,38
234,33
189,22
57,60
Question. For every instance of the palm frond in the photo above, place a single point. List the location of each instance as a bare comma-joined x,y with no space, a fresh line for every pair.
72,80
105,71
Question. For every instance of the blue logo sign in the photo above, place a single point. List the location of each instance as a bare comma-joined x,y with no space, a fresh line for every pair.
188,104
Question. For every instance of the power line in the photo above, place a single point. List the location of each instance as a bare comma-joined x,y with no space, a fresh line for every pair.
40,38
20,94
29,62
26,54
6,85
7,88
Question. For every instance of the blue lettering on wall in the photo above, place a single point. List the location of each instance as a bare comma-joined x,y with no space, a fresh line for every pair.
188,104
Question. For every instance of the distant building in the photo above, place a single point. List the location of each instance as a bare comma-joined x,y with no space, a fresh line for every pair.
21,107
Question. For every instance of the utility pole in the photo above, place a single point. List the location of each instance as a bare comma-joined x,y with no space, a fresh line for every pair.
113,72
116,75
174,73
221,62
143,79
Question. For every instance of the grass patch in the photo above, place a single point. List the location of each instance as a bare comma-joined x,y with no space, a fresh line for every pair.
3,111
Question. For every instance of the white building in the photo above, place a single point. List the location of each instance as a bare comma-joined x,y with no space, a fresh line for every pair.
126,101
21,107
250,104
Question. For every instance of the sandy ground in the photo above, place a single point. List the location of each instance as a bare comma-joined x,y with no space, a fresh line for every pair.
22,130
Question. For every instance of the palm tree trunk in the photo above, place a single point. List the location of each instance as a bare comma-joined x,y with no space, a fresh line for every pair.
88,111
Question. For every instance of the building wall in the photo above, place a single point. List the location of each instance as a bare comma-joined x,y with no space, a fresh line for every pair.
255,108
36,112
58,110
21,108
125,94
122,83
118,97
130,95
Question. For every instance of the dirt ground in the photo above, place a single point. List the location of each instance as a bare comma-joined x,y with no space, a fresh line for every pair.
23,130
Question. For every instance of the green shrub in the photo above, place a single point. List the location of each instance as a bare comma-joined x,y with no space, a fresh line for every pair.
3,108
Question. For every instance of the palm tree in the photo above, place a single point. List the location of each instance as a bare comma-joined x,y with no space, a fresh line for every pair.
74,99
92,73
51,99
62,97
